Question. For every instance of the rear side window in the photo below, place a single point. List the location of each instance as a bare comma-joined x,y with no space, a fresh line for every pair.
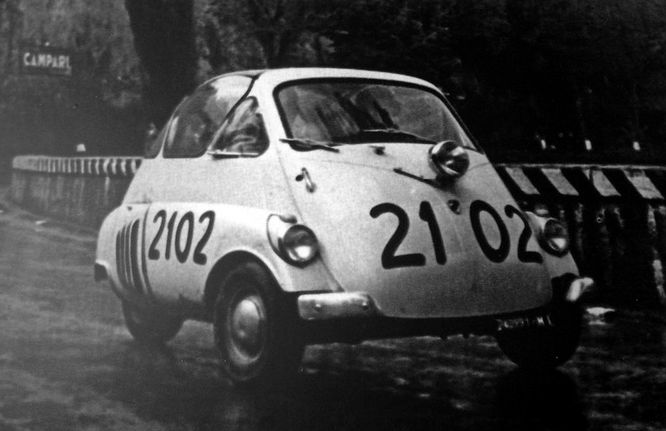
198,118
153,144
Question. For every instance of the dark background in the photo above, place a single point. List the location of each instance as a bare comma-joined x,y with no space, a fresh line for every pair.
517,71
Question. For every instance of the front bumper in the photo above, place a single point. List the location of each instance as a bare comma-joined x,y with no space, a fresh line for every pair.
336,305
355,305
579,289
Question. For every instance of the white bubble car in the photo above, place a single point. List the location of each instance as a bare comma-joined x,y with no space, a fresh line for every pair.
298,206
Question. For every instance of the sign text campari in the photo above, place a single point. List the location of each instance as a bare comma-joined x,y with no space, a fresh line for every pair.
46,60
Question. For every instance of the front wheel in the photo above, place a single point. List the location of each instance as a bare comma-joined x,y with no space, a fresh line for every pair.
544,347
150,327
255,331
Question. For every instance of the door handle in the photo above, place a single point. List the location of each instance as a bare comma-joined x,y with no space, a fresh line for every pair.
310,186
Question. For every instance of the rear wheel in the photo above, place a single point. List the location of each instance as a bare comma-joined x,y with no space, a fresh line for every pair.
255,331
544,347
150,327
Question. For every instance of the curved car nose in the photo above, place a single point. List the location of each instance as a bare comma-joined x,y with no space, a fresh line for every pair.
420,249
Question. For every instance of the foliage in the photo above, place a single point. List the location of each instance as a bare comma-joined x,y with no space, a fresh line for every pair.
516,70
266,33
584,68
164,37
97,105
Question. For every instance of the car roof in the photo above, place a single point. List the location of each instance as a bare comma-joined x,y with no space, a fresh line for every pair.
275,77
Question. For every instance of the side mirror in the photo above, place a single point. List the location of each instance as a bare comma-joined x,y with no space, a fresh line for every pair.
449,159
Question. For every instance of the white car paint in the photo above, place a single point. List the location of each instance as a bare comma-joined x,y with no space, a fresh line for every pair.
243,192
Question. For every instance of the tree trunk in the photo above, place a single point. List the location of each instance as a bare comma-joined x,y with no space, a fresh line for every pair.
164,38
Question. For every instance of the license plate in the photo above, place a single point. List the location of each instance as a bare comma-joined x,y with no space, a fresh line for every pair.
524,322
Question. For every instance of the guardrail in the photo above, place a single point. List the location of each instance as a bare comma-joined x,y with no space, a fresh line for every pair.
82,190
616,215
95,166
587,182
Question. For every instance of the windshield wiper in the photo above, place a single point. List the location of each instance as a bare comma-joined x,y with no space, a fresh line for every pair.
304,144
375,134
428,181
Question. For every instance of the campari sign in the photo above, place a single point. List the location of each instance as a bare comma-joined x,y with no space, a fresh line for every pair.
46,60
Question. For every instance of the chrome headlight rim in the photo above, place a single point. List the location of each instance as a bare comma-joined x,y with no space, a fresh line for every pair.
446,153
551,230
282,230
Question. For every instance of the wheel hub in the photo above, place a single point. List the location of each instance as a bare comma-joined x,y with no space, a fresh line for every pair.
246,325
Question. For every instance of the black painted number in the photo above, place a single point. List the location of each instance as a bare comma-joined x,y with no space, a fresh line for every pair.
153,252
167,249
389,258
180,238
182,253
524,255
428,215
199,257
499,254
495,254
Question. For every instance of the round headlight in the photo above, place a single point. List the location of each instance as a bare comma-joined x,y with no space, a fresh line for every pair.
450,159
300,244
295,243
554,237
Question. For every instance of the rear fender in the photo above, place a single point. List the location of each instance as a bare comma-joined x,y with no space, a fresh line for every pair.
242,236
181,244
105,255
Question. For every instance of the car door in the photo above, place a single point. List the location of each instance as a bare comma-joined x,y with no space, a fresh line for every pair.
177,189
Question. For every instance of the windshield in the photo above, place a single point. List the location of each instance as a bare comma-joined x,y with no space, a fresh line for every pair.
349,111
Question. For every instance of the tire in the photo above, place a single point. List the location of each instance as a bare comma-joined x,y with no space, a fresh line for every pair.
150,327
544,347
255,332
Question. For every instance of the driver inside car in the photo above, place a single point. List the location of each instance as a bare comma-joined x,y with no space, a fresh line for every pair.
244,133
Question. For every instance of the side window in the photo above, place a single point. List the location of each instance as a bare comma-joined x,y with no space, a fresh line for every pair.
200,116
153,144
243,132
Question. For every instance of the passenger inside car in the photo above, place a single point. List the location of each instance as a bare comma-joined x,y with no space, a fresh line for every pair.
244,131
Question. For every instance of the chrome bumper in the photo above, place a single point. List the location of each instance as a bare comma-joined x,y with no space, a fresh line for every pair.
578,288
344,305
336,305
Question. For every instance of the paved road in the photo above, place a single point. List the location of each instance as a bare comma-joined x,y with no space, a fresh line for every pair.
66,362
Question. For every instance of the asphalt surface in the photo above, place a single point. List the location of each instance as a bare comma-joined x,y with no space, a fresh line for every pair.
67,363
